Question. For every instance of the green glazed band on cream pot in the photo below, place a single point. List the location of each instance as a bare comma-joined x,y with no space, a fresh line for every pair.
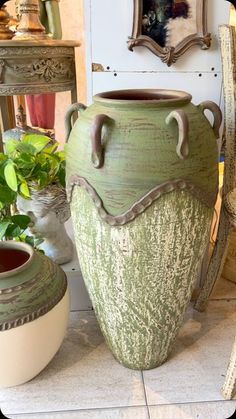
34,309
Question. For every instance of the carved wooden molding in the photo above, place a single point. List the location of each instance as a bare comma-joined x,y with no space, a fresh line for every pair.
2,63
33,89
35,51
170,54
48,69
30,68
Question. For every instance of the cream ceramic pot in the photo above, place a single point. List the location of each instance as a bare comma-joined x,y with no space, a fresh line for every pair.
34,308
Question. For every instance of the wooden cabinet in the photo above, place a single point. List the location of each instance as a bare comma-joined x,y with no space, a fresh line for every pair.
28,67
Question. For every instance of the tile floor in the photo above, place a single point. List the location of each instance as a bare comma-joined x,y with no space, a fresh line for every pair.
84,381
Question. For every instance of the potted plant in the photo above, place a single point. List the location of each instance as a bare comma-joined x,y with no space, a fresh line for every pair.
12,226
34,174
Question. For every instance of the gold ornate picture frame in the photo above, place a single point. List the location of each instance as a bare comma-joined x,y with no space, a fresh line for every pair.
169,28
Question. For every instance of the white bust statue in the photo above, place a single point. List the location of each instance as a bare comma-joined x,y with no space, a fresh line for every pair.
49,210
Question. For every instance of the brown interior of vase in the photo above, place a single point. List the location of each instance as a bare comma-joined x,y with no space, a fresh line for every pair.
12,259
142,95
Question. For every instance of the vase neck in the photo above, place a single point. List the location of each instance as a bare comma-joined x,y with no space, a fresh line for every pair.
143,97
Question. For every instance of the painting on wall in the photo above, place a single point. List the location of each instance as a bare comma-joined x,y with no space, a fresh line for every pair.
169,27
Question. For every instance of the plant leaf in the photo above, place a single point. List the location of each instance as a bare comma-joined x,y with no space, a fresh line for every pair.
13,230
29,240
11,146
10,176
25,161
3,228
21,220
26,148
62,176
43,179
50,149
7,196
24,189
3,157
61,154
37,141
38,241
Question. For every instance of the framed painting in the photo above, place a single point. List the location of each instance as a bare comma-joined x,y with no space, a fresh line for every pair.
169,28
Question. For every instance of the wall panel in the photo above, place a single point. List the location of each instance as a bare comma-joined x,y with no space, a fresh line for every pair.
197,71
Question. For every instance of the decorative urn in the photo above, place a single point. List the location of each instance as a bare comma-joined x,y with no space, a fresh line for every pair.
142,180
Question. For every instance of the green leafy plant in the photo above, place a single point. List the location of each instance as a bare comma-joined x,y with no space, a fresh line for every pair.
14,227
32,163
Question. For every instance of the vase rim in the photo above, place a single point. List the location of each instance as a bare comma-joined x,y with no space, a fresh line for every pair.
156,97
23,247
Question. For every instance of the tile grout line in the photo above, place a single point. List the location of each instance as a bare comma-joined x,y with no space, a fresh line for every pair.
86,409
145,394
15,415
194,402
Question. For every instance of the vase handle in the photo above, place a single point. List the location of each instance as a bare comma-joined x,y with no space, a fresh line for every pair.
97,156
182,148
75,107
214,108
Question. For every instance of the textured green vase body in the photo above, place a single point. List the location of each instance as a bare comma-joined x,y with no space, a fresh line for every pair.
142,178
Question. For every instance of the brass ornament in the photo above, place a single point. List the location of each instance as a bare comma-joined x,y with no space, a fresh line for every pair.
5,32
30,27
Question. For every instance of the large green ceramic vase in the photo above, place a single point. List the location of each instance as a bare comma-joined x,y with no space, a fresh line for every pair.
142,179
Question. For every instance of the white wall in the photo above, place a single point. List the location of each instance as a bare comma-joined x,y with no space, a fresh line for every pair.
109,23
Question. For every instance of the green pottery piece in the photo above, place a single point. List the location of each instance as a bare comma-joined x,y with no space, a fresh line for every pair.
34,309
142,179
